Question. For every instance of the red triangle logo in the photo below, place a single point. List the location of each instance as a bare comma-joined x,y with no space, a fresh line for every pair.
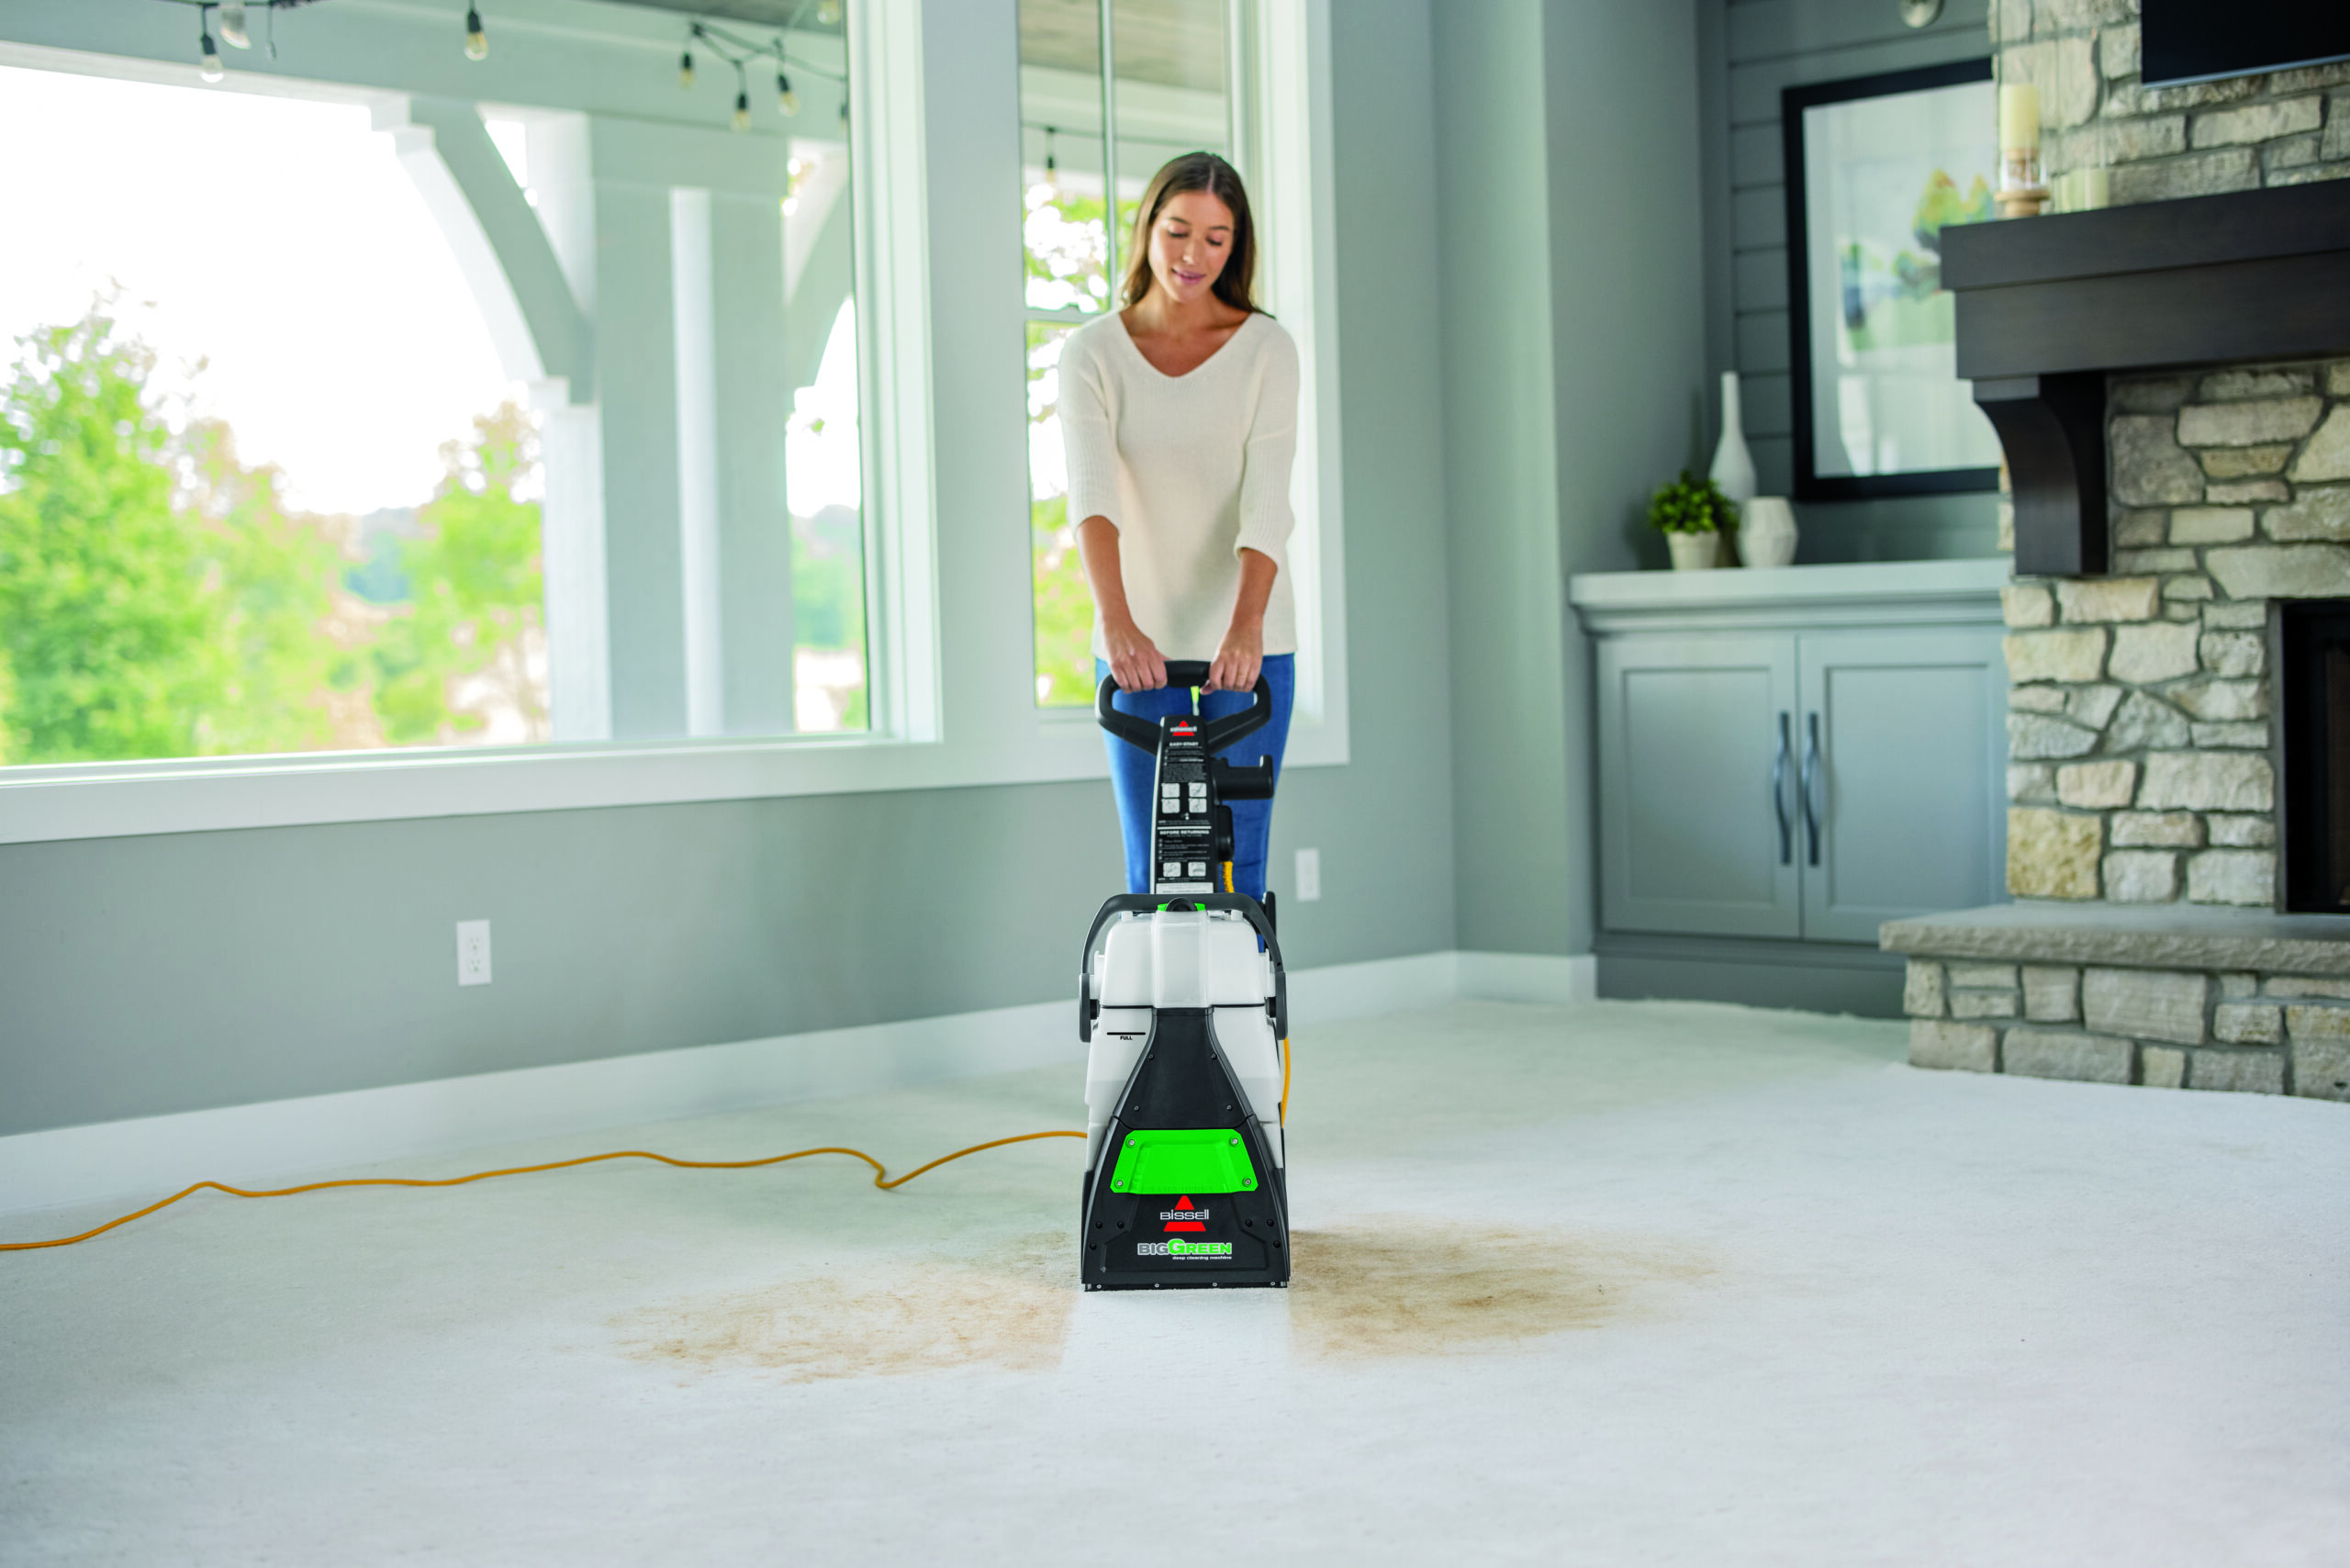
1184,1202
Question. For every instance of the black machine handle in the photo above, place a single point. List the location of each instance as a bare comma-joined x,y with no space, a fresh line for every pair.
1779,794
1814,776
1214,733
1150,903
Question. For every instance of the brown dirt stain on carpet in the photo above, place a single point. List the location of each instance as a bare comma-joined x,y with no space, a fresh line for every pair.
893,1318
1410,1286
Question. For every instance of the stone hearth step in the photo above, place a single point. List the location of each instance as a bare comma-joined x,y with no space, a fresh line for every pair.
2168,996
2158,937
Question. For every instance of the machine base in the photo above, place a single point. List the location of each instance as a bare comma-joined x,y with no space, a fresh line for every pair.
1232,1227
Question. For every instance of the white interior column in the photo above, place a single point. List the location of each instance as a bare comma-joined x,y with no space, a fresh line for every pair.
693,321
637,368
752,408
571,436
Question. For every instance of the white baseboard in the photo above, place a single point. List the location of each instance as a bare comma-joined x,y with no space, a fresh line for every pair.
1381,985
1528,977
245,1143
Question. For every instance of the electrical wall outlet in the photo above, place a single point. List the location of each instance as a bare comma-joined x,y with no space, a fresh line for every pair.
1309,875
473,952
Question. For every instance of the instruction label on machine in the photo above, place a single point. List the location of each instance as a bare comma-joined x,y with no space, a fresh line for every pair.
1182,835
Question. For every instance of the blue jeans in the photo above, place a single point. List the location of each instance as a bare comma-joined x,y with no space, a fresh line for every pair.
1131,768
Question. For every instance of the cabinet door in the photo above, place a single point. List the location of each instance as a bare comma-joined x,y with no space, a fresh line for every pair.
1691,831
1903,813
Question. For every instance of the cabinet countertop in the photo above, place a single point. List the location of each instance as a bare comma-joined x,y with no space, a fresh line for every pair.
1904,592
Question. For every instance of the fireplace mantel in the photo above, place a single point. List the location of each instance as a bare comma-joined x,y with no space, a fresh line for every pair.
2046,307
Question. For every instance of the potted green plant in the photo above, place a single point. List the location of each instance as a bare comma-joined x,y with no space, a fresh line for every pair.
1693,514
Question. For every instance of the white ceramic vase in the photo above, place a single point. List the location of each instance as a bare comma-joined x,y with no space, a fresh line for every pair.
1766,532
1733,469
1693,551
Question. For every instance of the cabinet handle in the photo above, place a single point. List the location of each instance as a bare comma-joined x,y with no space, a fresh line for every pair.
1813,778
1779,794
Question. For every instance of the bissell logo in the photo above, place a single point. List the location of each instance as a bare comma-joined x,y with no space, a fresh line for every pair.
1186,729
1184,1216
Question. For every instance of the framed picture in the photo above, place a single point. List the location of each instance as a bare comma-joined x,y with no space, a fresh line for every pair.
1876,168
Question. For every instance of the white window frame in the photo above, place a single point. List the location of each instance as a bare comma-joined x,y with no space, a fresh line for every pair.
950,675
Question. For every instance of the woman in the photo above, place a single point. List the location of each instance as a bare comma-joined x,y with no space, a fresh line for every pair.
1179,413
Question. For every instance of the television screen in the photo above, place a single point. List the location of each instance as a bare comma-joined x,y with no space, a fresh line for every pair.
2195,40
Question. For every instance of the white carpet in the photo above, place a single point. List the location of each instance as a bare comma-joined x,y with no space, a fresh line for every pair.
1619,1283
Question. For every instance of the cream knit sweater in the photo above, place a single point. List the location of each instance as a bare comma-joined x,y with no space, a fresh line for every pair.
1191,469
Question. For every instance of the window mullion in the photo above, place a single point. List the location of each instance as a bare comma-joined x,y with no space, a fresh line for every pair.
1110,151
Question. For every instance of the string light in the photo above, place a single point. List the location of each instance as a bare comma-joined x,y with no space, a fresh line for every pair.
1052,166
236,30
209,67
739,52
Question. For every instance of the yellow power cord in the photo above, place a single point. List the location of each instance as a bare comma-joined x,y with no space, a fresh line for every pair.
881,1179
1284,1108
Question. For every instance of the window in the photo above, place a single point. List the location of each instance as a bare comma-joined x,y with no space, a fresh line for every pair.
391,422
213,537
1159,75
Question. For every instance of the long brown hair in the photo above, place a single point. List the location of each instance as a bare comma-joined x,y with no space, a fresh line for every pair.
1237,285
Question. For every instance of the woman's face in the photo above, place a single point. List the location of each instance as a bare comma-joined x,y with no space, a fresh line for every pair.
1189,245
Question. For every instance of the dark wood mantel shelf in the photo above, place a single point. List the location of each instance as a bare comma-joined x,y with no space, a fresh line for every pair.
2048,307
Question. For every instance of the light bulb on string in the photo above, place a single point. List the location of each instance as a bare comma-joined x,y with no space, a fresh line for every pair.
232,25
1052,167
786,99
743,110
209,66
685,69
828,14
476,41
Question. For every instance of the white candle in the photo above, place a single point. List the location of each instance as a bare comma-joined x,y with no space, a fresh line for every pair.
2019,116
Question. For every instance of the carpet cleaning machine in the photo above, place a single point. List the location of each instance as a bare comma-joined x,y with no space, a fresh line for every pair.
1185,1012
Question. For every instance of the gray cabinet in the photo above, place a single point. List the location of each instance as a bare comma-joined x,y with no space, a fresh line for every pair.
1766,771
1902,735
1694,735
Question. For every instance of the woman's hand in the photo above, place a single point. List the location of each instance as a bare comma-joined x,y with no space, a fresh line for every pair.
1241,656
1238,658
1135,662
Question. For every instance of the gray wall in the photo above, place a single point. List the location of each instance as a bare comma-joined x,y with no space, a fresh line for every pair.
1751,50
148,975
1569,200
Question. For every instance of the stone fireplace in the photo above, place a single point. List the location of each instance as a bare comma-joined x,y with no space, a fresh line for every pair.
2144,715
2143,704
2171,382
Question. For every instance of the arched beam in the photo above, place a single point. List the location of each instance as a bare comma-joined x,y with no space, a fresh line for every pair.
540,330
819,268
